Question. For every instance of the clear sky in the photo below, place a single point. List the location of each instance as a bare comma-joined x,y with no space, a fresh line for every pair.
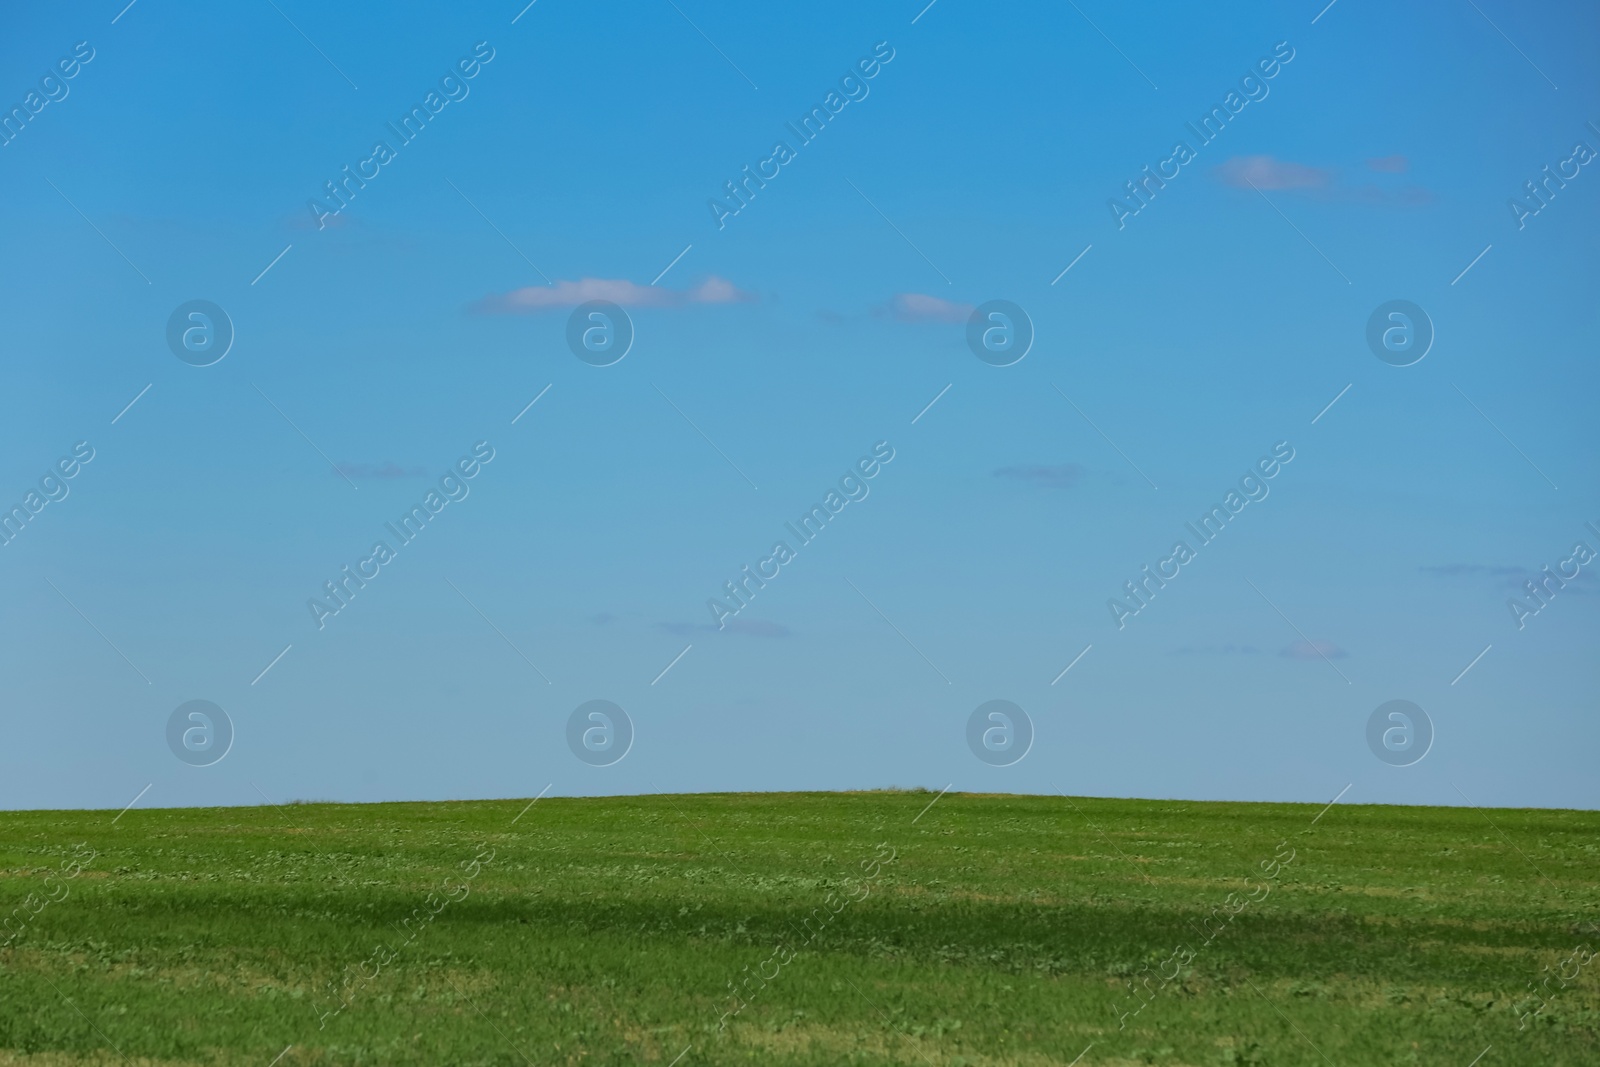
969,153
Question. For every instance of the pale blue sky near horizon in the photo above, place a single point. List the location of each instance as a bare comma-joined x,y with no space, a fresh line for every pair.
1218,321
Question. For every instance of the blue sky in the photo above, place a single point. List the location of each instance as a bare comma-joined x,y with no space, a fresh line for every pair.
773,352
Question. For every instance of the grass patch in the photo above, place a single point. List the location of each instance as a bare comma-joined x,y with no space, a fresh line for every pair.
776,929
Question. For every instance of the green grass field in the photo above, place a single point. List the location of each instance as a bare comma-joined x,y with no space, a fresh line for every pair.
856,928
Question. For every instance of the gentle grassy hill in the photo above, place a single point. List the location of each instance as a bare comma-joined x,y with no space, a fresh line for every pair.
800,929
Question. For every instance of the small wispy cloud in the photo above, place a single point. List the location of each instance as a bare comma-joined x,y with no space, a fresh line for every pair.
531,299
1059,476
1308,650
1513,578
1270,174
1265,172
920,307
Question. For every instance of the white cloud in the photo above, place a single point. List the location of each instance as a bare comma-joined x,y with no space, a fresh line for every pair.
919,307
1265,172
531,299
1058,476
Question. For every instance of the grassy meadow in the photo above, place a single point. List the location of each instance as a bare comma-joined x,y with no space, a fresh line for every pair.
853,928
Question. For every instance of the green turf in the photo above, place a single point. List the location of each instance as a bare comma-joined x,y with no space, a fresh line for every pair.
800,929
